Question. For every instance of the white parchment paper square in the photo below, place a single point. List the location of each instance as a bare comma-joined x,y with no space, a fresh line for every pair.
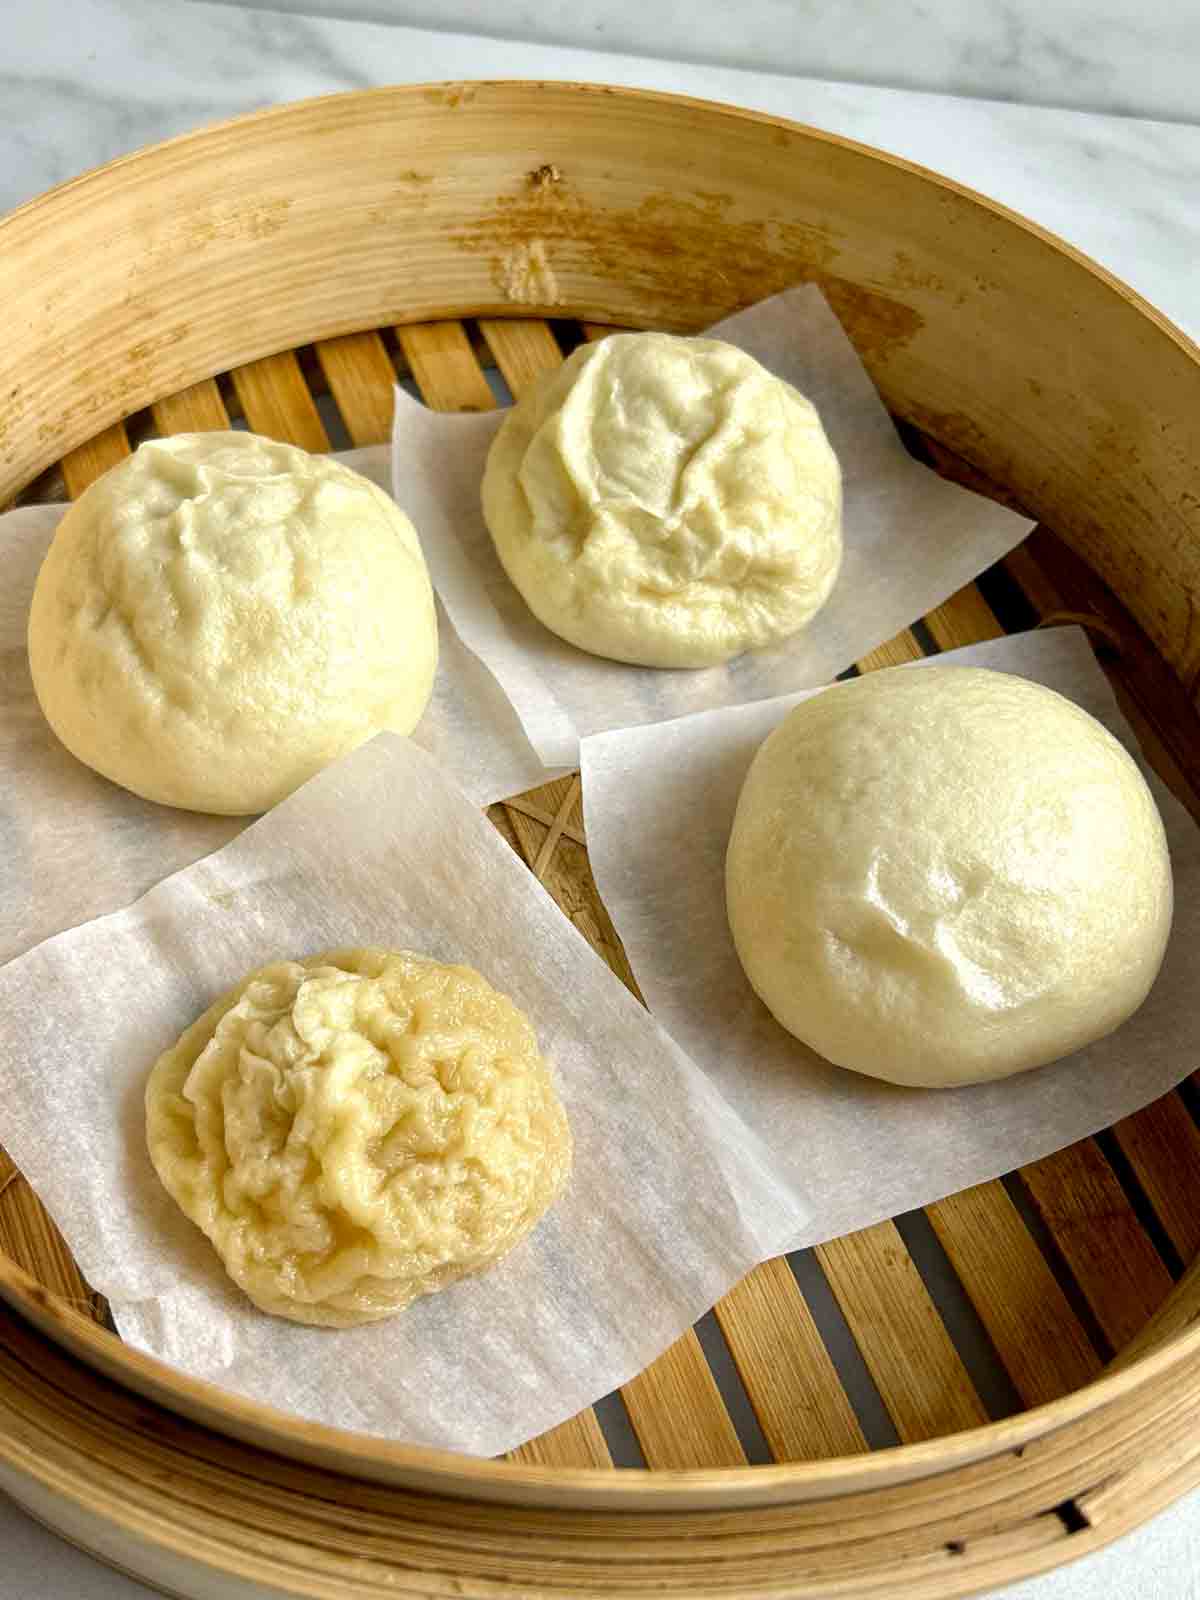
670,1203
911,540
659,805
73,845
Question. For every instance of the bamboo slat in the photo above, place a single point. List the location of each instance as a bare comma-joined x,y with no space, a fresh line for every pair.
1093,1223
785,1368
1029,1319
678,1414
84,465
966,618
1162,1146
911,1357
360,375
277,403
29,1238
578,1442
199,409
445,367
525,351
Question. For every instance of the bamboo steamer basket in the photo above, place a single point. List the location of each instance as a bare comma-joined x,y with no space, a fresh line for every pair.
933,1401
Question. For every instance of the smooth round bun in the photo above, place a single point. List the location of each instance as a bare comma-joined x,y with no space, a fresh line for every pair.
220,616
942,875
666,502
356,1130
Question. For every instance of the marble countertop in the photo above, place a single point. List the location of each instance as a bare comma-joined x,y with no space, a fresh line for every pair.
123,73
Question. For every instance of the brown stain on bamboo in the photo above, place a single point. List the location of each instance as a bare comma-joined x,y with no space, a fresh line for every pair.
711,258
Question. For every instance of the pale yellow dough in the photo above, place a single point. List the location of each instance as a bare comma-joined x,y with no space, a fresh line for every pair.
666,502
943,875
220,616
356,1130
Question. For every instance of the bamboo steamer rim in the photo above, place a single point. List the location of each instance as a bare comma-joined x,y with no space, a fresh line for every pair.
463,95
298,109
447,1472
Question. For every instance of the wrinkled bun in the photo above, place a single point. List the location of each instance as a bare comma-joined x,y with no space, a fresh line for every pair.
220,616
666,502
356,1130
942,875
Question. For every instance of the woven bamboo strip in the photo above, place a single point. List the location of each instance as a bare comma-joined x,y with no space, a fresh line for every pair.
567,873
360,377
903,1341
277,402
28,1236
530,808
199,409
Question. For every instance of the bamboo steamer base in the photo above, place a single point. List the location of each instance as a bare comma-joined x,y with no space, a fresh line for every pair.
923,1403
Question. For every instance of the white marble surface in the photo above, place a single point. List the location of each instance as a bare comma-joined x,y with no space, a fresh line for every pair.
125,72
1094,55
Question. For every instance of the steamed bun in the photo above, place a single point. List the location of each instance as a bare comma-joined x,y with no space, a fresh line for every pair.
666,502
356,1130
941,875
220,616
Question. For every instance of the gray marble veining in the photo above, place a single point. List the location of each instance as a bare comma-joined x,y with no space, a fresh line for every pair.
1093,55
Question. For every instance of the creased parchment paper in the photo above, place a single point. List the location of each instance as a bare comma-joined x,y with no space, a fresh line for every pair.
73,845
671,1199
659,805
911,540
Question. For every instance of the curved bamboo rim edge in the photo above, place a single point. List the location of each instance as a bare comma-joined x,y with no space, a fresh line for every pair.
365,1456
116,1509
1186,343
441,1471
30,209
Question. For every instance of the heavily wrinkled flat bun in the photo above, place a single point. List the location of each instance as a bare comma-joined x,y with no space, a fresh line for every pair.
943,875
356,1130
666,502
220,616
